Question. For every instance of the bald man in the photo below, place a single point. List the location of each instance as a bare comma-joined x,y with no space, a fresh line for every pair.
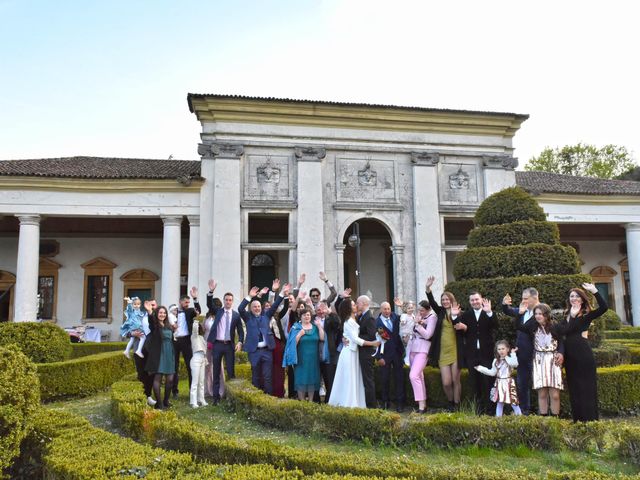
391,361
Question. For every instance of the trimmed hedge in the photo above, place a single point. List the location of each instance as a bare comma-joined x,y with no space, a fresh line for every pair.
67,446
516,260
19,399
516,233
82,376
507,206
79,350
553,289
41,342
612,355
612,320
176,433
623,333
430,431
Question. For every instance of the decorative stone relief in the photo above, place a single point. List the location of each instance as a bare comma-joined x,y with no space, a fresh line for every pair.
268,177
425,158
365,180
220,150
500,161
458,184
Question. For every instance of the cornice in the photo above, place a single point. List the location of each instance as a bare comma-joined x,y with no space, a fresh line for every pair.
282,112
97,185
587,199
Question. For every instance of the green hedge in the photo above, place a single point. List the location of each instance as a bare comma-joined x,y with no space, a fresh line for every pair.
41,342
516,260
82,376
507,206
612,320
19,399
176,433
516,233
79,350
66,446
623,333
554,289
612,355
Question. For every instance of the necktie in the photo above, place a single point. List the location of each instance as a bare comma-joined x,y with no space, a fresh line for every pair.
387,323
227,324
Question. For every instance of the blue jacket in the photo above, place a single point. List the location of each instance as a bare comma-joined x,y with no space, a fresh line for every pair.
523,340
290,356
259,324
236,326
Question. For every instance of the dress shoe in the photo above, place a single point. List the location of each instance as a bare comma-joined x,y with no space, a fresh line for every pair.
215,401
166,404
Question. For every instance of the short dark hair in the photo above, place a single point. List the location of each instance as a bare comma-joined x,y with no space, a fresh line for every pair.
425,304
474,292
314,290
185,297
228,294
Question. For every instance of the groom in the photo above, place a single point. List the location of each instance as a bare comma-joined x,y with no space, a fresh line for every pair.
367,332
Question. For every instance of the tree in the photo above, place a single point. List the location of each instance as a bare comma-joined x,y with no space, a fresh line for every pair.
610,161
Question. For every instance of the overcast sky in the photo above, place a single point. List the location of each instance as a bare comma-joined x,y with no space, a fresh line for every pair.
111,78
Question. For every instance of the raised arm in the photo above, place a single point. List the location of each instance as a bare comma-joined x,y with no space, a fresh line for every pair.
492,372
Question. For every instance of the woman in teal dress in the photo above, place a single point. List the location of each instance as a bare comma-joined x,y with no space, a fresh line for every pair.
160,356
307,370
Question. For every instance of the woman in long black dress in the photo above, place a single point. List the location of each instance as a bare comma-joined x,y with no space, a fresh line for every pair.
579,364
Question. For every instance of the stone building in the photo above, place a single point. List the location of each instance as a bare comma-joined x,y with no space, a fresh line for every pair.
277,191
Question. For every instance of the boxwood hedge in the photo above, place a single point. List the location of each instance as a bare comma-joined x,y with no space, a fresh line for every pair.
507,206
515,260
19,398
41,342
91,348
516,233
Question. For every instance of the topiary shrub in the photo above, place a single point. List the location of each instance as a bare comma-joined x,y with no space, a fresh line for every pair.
508,206
19,398
516,233
611,320
516,260
41,342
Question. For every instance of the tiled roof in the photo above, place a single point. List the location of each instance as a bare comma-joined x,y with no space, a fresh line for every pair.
99,167
344,104
544,182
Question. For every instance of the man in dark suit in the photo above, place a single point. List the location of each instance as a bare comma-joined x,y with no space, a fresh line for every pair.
329,347
391,361
222,337
522,316
368,333
182,341
259,342
477,324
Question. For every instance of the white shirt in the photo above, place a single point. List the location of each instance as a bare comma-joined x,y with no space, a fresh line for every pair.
182,331
527,316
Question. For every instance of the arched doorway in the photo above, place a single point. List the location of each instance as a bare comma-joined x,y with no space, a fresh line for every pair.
262,270
7,283
376,261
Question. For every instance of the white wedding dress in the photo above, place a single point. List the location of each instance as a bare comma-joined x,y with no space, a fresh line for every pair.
348,388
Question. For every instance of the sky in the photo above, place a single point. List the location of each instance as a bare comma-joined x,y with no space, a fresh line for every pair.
111,78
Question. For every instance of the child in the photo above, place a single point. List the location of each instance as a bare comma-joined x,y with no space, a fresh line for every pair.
547,375
132,324
173,317
407,321
198,364
504,390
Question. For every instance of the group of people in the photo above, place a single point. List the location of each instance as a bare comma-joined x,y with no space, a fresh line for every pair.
327,348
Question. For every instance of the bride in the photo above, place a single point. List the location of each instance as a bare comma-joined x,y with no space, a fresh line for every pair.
348,389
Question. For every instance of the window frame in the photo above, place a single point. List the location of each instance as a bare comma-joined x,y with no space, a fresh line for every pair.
98,266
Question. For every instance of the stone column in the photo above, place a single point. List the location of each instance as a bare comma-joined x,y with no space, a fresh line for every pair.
170,281
310,224
26,293
205,244
226,233
340,265
633,257
426,216
193,278
499,173
397,252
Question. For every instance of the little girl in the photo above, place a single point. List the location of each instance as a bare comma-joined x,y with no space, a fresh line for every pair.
504,389
407,321
547,375
132,324
198,364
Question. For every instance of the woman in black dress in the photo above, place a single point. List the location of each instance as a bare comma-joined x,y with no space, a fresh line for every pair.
579,364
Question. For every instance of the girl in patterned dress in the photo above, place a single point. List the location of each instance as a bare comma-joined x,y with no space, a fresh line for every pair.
504,389
548,351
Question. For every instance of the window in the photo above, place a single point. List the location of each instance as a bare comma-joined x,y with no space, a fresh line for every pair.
98,281
139,283
263,269
603,280
47,289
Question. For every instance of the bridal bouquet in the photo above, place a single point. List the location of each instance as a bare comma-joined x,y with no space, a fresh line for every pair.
382,336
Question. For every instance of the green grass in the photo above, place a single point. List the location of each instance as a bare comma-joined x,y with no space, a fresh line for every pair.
97,410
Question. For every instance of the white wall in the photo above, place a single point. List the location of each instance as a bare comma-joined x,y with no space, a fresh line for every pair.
598,253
